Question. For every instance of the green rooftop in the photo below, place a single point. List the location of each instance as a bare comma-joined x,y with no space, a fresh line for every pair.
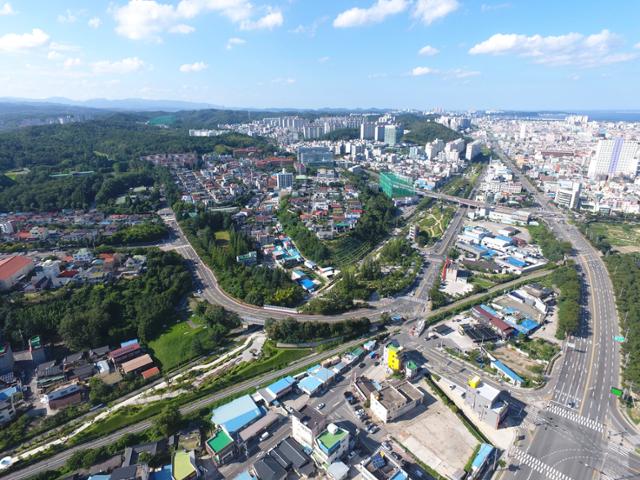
182,467
357,352
330,440
219,441
411,365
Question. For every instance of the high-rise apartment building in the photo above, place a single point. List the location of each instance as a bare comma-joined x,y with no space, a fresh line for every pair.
367,131
614,157
284,179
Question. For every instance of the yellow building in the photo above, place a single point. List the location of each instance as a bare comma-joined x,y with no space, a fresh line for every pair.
393,354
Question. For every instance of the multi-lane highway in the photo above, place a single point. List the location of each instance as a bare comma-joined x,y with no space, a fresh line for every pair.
581,434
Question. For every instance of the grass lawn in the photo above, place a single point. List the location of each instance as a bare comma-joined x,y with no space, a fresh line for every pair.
618,234
173,347
13,174
163,120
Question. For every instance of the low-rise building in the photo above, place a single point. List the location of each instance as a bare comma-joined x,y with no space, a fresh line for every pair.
489,403
221,447
12,269
183,466
331,444
8,398
306,424
380,466
393,401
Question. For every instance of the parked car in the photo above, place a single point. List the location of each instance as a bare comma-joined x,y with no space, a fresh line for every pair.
320,406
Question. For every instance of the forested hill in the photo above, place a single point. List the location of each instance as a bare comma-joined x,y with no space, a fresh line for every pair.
120,137
424,129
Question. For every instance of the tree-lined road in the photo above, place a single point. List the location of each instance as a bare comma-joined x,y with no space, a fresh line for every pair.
579,435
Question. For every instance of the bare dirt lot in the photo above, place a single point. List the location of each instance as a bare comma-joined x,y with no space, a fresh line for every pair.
435,436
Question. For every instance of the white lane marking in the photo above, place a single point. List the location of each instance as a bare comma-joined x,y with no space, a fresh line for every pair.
538,466
574,417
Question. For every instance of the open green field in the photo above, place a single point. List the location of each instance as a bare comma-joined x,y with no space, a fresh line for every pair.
173,347
163,120
618,234
13,174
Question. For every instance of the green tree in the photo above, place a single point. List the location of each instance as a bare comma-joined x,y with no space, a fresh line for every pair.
168,421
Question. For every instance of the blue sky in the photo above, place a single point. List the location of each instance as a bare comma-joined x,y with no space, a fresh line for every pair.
456,54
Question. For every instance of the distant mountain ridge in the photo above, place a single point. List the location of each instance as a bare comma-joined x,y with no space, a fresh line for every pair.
129,104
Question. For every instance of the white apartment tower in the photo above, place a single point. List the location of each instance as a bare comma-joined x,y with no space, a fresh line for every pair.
614,157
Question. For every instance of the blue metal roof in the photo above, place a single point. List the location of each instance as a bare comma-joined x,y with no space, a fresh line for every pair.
237,414
481,457
516,263
324,375
309,384
8,393
507,371
308,284
245,476
400,475
281,385
163,474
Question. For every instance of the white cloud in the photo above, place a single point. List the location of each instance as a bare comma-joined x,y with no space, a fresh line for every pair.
420,71
270,21
376,13
19,42
428,51
324,59
428,11
67,17
126,65
182,29
568,49
490,7
72,62
53,55
148,19
284,81
193,67
94,22
234,42
637,46
6,9
310,29
461,73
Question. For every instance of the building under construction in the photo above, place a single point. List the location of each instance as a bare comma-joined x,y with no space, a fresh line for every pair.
396,186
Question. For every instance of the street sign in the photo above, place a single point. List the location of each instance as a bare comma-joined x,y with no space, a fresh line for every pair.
616,391
619,338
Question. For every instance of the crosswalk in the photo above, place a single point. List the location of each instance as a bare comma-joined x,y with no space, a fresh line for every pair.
574,417
538,465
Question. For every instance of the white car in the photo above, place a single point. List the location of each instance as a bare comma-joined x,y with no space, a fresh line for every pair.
320,406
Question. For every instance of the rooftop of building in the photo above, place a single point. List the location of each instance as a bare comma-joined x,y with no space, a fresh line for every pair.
183,468
310,417
219,441
394,396
330,439
236,414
